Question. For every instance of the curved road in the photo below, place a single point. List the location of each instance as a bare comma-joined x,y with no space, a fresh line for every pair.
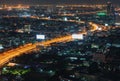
6,56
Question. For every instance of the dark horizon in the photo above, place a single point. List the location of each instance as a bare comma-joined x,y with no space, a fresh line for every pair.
54,2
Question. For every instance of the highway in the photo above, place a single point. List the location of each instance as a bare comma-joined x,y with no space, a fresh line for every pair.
8,55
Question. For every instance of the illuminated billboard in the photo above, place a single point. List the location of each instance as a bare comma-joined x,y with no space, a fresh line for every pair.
77,36
40,36
1,47
101,13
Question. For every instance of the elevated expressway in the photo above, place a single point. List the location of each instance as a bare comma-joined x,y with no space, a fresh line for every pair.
8,55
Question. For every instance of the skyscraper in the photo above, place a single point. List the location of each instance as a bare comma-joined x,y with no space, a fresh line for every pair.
111,13
110,9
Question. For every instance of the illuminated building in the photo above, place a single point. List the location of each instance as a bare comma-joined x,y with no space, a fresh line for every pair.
110,8
27,28
111,13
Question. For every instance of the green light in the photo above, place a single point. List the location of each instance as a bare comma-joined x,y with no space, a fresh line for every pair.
16,71
101,13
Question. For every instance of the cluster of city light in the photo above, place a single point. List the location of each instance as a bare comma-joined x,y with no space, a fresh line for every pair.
6,56
94,26
19,6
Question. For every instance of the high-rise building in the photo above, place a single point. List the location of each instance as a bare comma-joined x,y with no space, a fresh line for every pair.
111,13
110,9
27,28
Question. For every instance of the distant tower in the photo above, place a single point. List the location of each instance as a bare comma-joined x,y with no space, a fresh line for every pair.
111,12
110,9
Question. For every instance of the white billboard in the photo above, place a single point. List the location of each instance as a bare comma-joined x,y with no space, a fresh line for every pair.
40,36
77,36
1,47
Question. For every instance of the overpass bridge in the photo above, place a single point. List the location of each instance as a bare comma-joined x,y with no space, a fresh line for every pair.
8,55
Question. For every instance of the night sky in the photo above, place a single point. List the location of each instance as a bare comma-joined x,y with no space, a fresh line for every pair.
58,1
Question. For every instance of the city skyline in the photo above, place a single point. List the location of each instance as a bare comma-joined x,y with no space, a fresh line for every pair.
59,40
58,1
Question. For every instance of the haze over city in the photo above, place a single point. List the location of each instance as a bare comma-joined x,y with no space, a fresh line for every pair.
58,1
